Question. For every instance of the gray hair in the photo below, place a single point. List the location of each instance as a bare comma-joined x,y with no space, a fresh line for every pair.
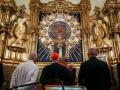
33,56
92,52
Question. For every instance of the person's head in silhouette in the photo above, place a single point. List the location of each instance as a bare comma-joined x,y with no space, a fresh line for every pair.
92,52
33,56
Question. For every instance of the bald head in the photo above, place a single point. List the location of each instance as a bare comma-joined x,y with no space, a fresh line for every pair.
92,52
33,56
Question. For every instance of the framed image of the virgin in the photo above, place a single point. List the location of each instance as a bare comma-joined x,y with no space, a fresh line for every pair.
60,33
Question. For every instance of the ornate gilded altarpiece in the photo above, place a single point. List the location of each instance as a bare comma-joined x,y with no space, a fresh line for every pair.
60,31
58,26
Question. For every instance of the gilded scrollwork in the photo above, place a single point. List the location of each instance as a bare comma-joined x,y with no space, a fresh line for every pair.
59,6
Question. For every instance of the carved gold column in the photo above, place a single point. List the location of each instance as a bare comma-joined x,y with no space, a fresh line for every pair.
85,9
7,9
34,22
1,10
111,10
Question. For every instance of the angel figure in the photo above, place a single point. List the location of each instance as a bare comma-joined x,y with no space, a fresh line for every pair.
99,29
19,27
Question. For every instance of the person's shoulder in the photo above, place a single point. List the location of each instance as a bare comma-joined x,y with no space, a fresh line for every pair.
47,66
85,62
100,62
54,65
36,66
30,64
58,65
20,64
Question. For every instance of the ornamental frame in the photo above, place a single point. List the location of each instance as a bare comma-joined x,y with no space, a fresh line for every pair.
60,6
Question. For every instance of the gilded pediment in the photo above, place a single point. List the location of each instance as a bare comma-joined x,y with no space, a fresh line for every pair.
59,6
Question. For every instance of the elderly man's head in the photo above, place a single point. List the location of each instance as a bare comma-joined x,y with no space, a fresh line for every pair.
92,52
33,56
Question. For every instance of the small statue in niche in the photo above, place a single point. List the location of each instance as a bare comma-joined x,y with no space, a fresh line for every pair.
19,27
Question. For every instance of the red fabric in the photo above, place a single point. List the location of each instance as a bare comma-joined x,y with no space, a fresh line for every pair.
54,56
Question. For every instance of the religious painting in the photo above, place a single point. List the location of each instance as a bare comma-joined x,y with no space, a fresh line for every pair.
59,30
60,33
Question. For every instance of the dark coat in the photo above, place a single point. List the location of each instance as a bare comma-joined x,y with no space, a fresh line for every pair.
94,74
56,71
1,75
73,72
118,70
